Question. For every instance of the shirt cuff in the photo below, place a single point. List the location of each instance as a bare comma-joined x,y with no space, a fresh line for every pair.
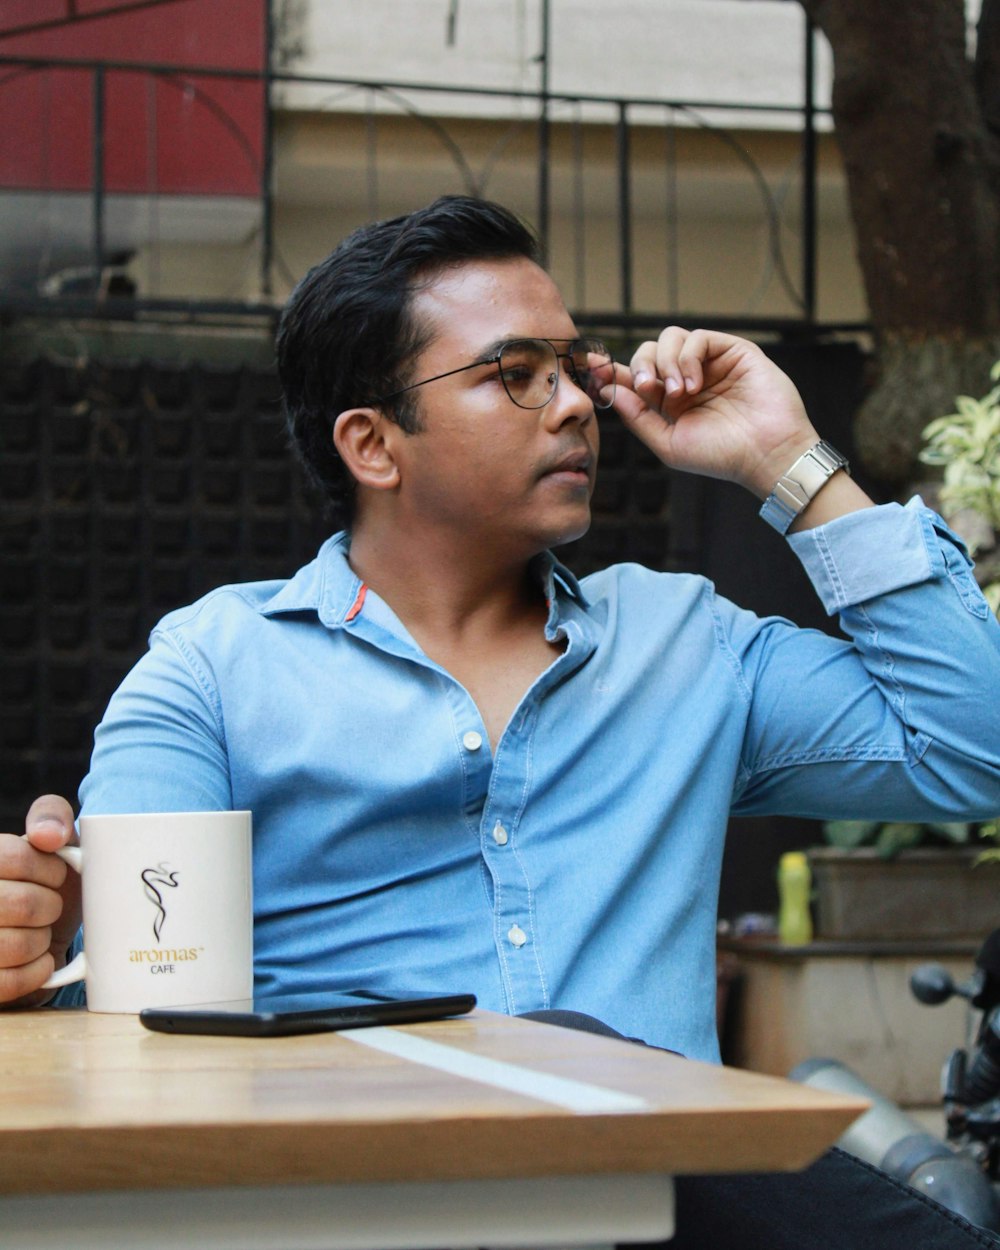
872,552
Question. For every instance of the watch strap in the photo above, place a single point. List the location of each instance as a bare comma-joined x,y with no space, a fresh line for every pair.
799,485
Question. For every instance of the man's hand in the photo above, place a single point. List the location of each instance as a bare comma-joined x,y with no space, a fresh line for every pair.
39,903
713,404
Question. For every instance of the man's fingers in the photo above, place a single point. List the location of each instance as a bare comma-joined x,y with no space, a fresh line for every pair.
33,912
19,947
677,359
659,361
20,862
631,394
49,823
650,422
690,360
21,987
25,905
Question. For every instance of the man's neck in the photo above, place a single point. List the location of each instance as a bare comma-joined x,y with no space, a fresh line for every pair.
446,593
482,618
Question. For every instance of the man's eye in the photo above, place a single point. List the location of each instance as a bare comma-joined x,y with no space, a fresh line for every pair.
515,373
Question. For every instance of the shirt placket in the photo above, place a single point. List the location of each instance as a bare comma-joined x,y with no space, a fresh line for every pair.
496,787
515,932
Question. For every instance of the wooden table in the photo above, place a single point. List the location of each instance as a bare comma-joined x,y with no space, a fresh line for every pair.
482,1130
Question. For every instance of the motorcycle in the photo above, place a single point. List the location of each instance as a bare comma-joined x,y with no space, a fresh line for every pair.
961,1170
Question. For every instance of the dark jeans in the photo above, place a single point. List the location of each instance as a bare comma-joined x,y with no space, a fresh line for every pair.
839,1203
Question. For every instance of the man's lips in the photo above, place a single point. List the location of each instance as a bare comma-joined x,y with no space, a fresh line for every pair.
578,464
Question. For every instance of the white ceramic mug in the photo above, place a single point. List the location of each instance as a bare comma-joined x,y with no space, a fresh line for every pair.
167,909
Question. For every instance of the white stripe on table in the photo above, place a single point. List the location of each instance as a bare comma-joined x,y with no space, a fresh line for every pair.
573,1095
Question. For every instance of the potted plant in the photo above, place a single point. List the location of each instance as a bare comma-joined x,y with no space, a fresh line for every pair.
936,887
898,881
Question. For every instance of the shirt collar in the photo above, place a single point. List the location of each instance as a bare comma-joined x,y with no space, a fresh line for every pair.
329,586
553,575
326,585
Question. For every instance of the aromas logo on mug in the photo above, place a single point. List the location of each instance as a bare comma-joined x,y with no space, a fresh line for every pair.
154,880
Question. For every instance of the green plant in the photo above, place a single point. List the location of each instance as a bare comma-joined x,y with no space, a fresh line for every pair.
890,837
991,830
966,445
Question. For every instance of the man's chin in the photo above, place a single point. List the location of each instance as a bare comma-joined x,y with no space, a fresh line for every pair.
570,533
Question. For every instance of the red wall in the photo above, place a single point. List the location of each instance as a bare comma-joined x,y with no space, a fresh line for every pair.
163,134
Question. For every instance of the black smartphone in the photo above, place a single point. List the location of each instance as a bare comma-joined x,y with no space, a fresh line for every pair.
279,1015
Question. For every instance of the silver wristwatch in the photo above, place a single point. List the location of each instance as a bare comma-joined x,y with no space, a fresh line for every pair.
801,484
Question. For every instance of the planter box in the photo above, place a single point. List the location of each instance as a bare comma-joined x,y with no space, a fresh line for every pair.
918,894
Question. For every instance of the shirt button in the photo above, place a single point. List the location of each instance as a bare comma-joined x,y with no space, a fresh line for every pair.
499,834
472,741
517,935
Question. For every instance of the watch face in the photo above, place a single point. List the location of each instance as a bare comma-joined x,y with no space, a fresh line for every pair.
800,485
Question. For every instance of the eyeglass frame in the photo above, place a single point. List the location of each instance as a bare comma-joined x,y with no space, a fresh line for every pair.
494,359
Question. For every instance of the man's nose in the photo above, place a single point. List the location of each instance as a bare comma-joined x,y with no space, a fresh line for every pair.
570,402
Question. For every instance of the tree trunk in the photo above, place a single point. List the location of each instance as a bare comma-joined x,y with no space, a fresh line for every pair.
921,172
918,375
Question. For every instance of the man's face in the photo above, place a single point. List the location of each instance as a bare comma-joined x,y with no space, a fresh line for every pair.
496,475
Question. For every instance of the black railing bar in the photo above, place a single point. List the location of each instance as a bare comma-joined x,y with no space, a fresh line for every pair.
97,173
371,159
544,135
124,308
622,152
278,76
809,222
154,233
267,161
670,225
579,213
141,311
591,319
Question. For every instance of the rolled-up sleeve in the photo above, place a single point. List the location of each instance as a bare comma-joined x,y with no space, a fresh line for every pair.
901,719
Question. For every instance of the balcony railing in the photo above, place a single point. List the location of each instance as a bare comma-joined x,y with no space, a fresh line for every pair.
570,118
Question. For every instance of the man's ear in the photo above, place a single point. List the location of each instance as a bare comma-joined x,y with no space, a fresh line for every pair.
359,434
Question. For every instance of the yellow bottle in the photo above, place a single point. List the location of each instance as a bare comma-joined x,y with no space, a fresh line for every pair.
794,887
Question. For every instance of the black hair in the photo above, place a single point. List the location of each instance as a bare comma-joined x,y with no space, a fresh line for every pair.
347,334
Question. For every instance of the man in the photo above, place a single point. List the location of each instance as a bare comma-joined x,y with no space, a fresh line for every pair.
466,768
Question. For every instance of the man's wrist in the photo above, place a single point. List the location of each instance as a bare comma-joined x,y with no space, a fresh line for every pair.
796,488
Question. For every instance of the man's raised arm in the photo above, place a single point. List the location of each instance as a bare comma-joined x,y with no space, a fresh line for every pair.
713,404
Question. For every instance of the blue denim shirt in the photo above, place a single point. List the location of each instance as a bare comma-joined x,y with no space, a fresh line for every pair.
576,864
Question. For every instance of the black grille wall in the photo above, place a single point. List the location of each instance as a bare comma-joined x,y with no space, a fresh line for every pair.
125,490
128,488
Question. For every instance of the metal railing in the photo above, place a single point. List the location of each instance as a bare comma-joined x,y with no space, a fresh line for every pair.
800,291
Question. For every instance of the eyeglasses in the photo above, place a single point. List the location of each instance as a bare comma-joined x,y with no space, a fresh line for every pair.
529,371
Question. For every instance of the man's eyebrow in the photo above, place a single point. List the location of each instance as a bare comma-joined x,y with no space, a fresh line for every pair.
489,354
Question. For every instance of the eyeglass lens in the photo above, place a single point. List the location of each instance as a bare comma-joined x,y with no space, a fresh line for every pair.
529,369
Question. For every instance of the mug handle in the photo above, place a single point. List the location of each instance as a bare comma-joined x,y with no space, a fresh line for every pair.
76,970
